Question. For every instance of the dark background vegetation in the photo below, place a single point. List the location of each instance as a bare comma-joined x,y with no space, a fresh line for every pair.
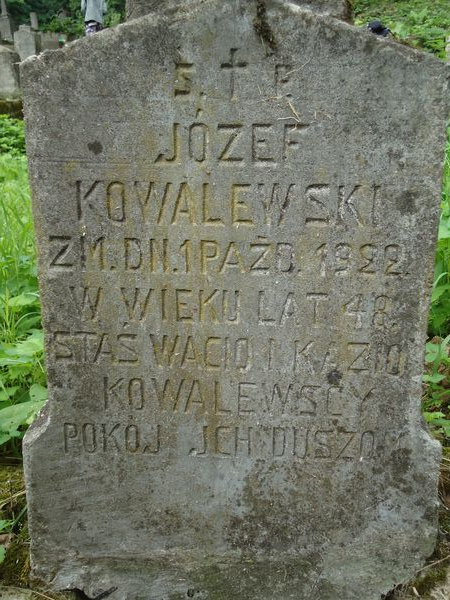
62,16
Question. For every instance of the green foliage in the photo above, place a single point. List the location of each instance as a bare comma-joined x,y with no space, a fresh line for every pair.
440,301
19,11
22,374
62,16
45,9
73,27
436,403
422,24
8,526
12,136
5,527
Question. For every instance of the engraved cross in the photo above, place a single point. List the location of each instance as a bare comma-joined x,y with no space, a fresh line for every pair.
232,66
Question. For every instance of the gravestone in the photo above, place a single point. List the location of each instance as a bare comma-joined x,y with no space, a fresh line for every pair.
34,21
5,23
9,73
49,40
25,42
236,208
341,9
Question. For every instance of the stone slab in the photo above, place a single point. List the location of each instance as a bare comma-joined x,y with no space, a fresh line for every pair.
6,29
48,40
34,22
340,9
25,42
236,219
9,73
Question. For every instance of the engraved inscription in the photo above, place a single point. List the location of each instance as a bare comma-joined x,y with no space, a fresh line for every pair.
232,67
171,202
203,362
183,78
285,442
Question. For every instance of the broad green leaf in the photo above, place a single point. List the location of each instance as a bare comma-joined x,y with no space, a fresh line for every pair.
430,356
32,345
8,392
444,230
24,360
13,417
435,378
438,291
25,299
431,417
38,393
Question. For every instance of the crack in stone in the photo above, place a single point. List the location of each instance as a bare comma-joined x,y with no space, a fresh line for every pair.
261,25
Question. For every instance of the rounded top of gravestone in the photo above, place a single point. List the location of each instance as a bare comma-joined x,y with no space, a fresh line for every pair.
173,13
285,29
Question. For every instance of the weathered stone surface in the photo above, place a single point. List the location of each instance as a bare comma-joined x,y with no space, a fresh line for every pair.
6,27
9,73
25,42
34,22
236,218
340,9
48,40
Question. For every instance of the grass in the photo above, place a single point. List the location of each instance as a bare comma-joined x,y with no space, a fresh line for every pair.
440,302
436,401
22,373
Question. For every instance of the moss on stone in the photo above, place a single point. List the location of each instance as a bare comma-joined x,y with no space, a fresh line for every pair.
11,107
430,579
